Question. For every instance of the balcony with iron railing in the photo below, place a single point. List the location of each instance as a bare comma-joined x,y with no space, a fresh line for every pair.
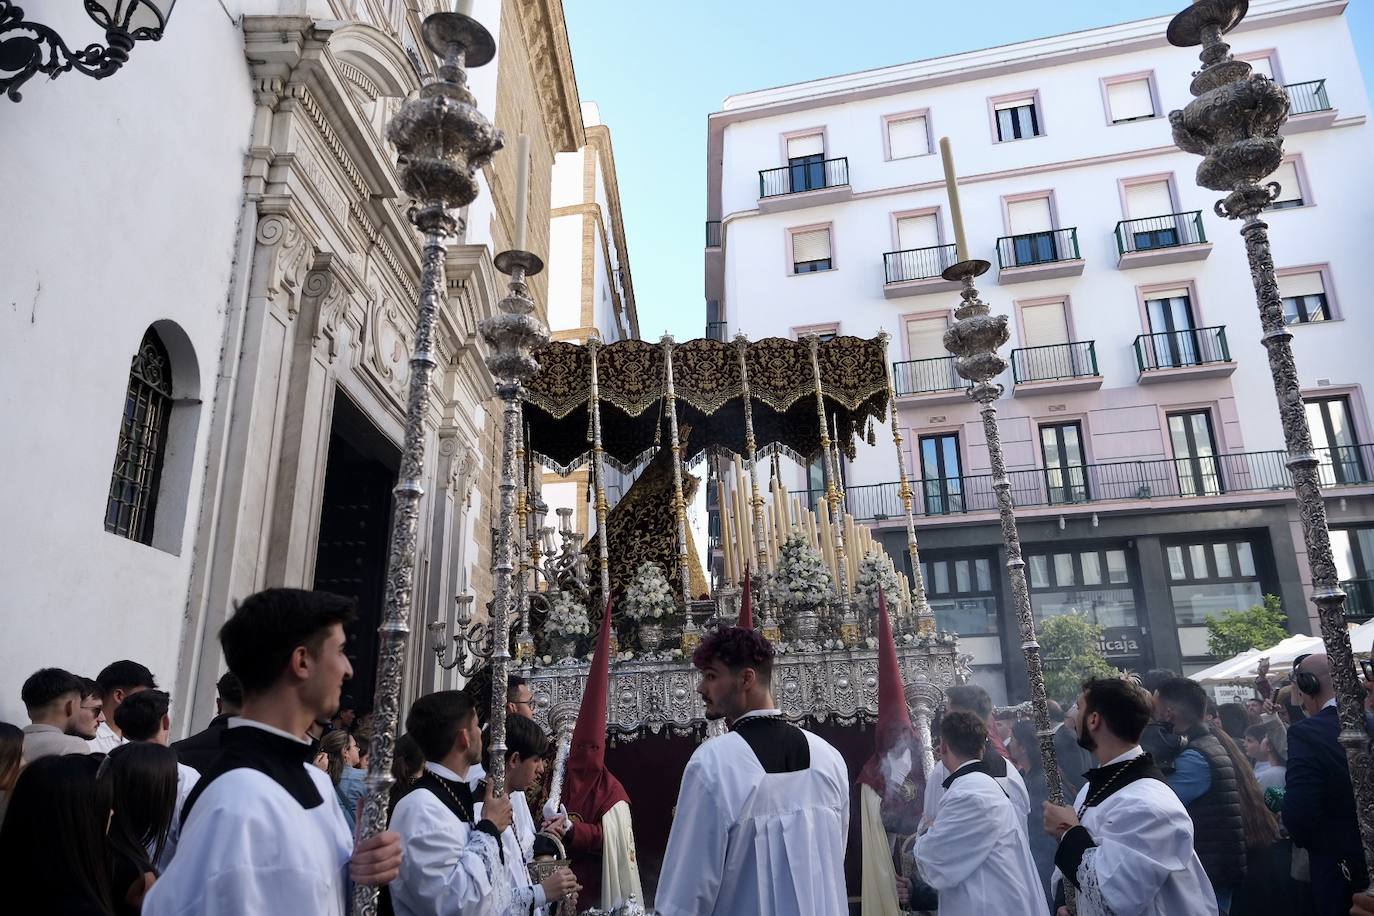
1309,107
1057,367
1189,353
1167,239
1186,480
1359,598
716,330
1038,256
804,183
713,233
917,270
929,381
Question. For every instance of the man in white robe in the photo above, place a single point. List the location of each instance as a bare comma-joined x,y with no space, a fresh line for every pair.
1127,844
974,699
763,813
262,832
975,852
454,863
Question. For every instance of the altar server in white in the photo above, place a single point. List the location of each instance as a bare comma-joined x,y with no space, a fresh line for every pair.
1127,845
763,812
975,853
262,831
974,699
453,861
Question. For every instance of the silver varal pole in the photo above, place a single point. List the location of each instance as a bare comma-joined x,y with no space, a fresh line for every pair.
679,501
974,338
599,471
442,140
755,497
512,335
849,628
925,617
1233,123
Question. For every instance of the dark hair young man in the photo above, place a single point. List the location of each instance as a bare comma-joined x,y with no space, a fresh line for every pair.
443,824
1205,780
52,697
764,776
974,699
116,681
200,750
519,697
1127,843
145,717
976,853
263,831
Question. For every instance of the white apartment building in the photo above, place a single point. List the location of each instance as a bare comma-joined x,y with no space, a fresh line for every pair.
591,292
1139,419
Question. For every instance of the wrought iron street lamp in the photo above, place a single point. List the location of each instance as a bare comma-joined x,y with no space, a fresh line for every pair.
1233,122
28,48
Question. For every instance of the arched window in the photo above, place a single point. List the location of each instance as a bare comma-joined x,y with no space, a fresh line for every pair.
142,443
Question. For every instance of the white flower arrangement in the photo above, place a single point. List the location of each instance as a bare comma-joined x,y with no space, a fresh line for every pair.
876,570
568,617
800,579
649,596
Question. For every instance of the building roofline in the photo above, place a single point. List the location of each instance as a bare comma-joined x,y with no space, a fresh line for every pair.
1011,57
1089,44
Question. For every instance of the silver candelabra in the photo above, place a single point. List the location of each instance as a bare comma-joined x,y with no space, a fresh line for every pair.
442,141
974,338
1233,122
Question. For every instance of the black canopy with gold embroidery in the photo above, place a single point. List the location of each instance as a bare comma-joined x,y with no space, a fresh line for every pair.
706,379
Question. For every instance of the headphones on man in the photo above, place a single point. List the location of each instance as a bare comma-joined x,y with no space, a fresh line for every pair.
1306,681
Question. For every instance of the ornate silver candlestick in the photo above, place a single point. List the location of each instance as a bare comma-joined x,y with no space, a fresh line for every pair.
1233,123
974,339
512,335
442,140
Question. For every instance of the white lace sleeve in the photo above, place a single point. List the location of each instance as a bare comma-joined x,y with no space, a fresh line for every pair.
1090,899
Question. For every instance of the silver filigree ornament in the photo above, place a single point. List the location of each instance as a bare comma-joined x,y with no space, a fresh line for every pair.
1233,122
442,140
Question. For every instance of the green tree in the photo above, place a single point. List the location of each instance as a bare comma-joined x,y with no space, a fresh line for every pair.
1258,628
1069,645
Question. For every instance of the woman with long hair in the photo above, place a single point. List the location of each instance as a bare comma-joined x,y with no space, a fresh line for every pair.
142,780
341,763
11,762
53,857
406,766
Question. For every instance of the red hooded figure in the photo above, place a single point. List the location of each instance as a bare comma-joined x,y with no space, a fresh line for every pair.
589,789
746,603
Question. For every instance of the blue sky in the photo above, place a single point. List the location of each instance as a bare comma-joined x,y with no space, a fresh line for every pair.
658,69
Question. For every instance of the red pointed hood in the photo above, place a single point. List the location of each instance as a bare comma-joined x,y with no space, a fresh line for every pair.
589,789
895,732
746,603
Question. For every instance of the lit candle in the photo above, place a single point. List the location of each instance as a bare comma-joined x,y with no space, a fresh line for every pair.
522,191
956,212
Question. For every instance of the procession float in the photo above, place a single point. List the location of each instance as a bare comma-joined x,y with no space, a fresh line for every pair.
666,412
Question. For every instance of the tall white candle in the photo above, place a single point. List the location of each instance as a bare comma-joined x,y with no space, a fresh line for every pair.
522,192
464,7
956,212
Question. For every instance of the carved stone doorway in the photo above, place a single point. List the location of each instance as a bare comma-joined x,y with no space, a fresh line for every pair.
354,522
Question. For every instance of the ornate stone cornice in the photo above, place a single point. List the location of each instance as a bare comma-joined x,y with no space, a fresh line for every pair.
599,138
550,56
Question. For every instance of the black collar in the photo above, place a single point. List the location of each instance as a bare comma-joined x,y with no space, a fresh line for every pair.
975,766
281,759
1106,781
455,795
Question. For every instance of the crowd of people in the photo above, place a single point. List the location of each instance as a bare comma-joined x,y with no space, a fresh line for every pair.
1264,784
1173,806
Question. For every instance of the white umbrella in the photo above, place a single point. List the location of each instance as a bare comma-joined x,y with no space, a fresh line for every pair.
1245,666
